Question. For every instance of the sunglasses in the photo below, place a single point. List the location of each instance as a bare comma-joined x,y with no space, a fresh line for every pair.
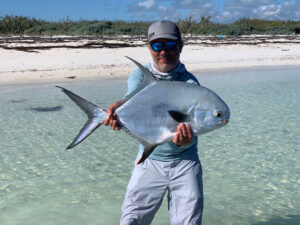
158,46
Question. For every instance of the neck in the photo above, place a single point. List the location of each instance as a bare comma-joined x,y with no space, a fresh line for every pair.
171,75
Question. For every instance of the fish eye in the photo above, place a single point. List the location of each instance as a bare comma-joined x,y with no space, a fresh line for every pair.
218,114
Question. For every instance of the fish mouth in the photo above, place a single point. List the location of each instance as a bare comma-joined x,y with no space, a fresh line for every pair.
225,121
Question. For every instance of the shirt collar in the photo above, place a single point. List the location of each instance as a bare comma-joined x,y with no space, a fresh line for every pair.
172,75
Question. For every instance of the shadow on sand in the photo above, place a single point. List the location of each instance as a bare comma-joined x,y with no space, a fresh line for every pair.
47,109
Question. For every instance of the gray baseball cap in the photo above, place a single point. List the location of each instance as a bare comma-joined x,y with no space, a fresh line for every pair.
163,29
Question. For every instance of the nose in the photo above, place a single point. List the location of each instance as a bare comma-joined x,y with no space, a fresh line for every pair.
164,50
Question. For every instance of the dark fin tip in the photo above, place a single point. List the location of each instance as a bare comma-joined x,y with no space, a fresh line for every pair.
146,153
138,162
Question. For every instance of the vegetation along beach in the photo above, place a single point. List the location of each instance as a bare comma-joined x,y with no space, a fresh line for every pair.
33,50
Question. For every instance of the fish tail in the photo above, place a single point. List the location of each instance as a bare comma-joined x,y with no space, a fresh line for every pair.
96,116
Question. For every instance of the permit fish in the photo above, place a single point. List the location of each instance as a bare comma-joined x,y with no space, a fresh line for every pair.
153,111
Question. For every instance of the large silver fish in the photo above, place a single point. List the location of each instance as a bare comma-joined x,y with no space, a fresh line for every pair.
152,113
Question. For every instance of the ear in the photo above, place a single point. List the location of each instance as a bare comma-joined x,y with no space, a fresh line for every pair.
180,45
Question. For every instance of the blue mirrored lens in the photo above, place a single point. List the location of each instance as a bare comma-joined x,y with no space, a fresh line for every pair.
158,46
170,45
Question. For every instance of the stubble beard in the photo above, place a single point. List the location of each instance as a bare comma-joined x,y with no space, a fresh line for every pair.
165,68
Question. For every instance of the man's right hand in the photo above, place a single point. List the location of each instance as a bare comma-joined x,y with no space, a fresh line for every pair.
111,119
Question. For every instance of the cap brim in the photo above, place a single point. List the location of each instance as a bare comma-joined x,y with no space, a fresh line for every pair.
167,36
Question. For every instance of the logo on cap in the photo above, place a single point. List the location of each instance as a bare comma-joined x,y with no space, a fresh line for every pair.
150,35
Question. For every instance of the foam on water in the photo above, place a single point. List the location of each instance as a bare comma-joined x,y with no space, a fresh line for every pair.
250,168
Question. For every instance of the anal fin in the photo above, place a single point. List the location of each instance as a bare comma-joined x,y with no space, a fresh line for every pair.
147,151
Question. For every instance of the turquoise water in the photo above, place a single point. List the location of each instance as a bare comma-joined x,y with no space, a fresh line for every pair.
251,168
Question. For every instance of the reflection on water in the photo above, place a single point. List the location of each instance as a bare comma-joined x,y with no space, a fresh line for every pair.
251,167
283,220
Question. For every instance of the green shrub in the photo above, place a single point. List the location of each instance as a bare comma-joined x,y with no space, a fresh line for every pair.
23,25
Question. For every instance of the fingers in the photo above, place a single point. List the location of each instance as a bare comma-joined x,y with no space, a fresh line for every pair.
107,120
111,119
114,123
183,130
178,138
189,132
184,135
110,112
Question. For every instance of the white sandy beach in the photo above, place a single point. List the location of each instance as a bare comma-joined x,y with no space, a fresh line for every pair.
59,64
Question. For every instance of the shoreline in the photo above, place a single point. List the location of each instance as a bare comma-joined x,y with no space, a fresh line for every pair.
65,64
87,79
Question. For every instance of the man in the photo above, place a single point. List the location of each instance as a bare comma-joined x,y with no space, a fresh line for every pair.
173,167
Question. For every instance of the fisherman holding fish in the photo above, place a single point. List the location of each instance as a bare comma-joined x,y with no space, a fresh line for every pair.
165,109
172,167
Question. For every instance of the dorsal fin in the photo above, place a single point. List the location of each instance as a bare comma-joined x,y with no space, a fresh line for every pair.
148,78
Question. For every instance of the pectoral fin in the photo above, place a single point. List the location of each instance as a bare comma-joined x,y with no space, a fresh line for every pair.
179,116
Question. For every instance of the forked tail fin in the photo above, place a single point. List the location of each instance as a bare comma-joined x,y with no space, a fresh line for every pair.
96,117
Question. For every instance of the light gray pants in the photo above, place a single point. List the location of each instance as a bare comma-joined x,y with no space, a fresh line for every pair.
148,184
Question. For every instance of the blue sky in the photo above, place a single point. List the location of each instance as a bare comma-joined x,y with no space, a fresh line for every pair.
222,11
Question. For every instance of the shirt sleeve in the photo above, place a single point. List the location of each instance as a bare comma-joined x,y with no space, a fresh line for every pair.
135,79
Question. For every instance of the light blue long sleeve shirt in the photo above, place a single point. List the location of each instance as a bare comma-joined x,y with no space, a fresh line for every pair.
167,151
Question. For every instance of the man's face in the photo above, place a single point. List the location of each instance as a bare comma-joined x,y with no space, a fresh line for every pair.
165,60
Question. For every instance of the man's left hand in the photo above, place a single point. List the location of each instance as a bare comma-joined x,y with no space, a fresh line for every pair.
184,135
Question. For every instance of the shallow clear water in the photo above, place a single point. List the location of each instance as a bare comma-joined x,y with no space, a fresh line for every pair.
251,168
